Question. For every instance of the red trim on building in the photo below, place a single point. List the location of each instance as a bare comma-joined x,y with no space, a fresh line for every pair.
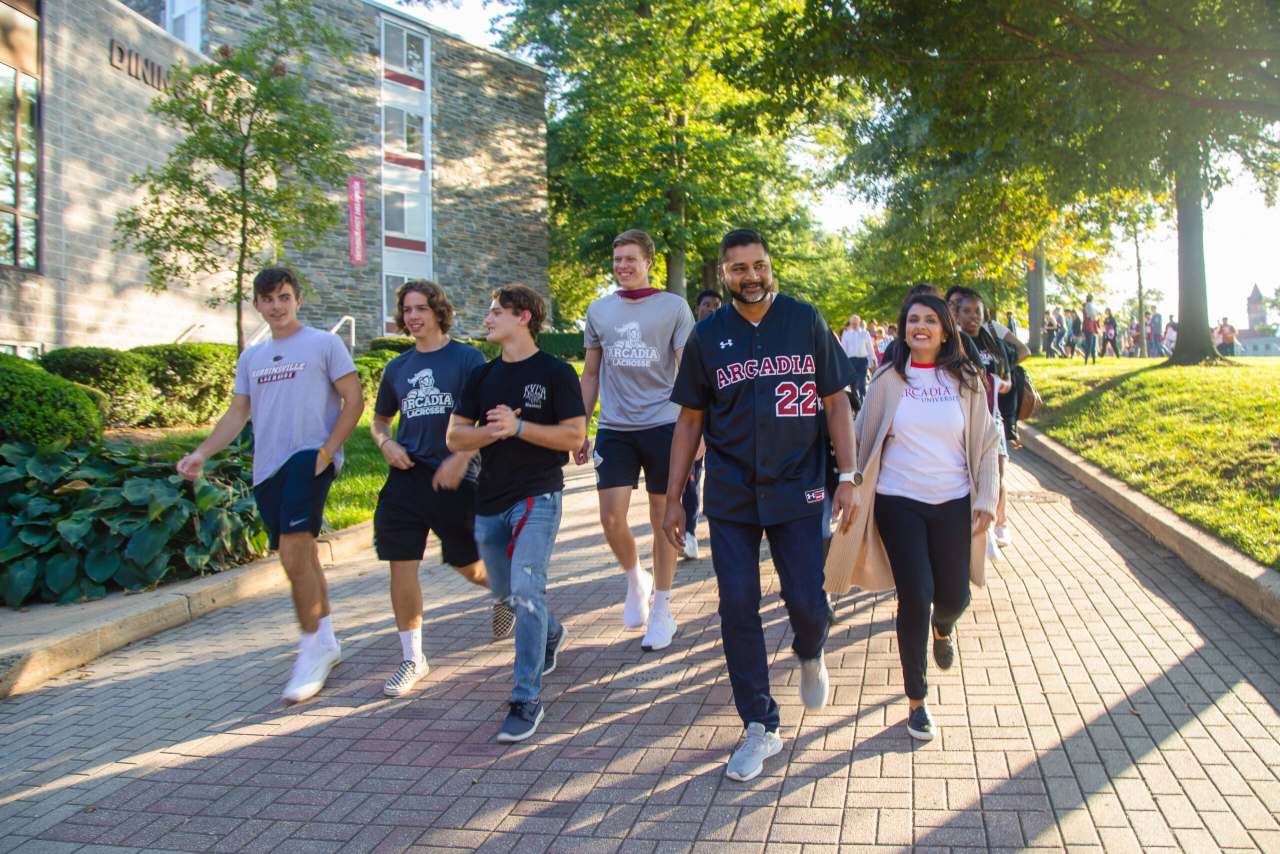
404,79
406,243
405,160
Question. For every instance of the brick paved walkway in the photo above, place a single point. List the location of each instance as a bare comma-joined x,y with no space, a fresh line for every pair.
1104,697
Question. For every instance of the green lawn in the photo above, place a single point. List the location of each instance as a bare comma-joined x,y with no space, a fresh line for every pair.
1203,441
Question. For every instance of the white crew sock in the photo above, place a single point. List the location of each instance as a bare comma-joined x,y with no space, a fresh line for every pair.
662,601
411,644
633,574
324,633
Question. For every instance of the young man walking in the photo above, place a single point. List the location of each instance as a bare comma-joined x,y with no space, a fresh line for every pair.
428,488
301,389
708,303
750,384
523,413
634,338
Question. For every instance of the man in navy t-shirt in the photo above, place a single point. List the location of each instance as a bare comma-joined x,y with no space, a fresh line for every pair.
428,488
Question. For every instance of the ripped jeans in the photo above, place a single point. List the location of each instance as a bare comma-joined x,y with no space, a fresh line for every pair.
516,547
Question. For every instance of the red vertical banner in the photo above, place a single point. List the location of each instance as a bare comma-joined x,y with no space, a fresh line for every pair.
355,219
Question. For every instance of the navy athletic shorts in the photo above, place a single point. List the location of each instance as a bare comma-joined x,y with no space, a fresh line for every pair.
291,501
620,455
408,508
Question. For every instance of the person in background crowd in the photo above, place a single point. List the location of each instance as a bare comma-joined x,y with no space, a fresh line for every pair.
1155,334
926,451
1170,337
1089,329
856,343
1227,338
890,332
1009,322
1050,335
1075,333
708,303
1064,329
1110,334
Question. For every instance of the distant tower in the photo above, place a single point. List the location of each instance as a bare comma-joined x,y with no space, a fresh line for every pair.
1257,309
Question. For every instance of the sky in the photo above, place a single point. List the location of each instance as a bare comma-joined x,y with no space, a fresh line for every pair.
1242,235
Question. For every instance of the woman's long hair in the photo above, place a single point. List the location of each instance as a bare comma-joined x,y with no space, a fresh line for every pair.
951,357
986,340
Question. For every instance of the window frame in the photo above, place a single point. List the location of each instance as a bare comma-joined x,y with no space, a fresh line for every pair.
21,217
404,35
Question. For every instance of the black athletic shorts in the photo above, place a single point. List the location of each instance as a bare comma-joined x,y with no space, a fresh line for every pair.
408,508
621,454
291,501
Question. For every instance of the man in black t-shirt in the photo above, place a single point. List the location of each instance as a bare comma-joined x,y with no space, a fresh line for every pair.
428,488
523,412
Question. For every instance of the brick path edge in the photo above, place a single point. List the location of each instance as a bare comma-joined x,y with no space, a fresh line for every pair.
1250,583
29,665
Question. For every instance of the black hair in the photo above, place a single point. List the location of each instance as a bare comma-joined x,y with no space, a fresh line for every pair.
923,288
951,357
741,237
709,292
271,278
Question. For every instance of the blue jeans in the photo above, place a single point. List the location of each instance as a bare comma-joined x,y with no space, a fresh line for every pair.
505,543
797,558
689,498
859,365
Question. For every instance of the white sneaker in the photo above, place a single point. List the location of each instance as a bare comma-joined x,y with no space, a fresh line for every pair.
748,760
662,628
310,671
1004,537
815,685
635,611
405,677
993,550
691,546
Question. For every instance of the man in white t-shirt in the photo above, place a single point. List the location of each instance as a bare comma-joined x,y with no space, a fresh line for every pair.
301,388
634,338
855,340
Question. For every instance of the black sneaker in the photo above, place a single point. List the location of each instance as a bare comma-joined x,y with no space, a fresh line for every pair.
920,724
554,645
522,721
944,651
503,620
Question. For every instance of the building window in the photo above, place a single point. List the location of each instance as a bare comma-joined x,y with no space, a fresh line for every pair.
391,284
406,214
183,20
404,131
19,140
405,51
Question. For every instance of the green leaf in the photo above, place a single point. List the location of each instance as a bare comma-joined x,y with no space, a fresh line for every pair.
13,551
17,453
128,577
209,494
60,572
19,581
138,490
90,590
35,535
74,528
48,468
156,569
39,506
8,474
102,563
148,542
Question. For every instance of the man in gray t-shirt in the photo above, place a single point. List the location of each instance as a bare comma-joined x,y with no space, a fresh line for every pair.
301,389
634,339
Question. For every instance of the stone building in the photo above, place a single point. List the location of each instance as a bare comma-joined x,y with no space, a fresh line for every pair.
449,177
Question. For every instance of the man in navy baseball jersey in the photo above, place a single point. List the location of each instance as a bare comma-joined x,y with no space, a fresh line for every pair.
756,377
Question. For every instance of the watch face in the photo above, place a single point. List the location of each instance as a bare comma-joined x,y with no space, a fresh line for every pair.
857,478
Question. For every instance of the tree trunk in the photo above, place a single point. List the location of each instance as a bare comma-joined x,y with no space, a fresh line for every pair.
1035,299
1195,341
1142,305
710,280
675,270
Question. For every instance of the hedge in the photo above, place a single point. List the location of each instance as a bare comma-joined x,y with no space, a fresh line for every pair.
80,520
123,377
566,345
42,408
369,369
398,343
194,381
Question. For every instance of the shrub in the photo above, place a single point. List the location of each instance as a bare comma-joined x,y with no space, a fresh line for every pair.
398,343
42,408
566,345
123,377
369,369
490,350
82,519
194,381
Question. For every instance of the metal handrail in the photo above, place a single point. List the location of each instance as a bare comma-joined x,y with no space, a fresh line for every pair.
351,337
259,335
187,332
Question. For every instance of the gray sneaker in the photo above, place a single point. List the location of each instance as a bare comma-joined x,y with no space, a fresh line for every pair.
815,685
748,760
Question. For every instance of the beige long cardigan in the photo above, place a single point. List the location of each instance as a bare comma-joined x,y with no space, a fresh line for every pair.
857,557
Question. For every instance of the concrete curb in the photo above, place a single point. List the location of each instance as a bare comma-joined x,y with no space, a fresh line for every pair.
28,665
1253,585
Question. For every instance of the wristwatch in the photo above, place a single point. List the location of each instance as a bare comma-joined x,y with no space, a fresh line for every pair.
854,477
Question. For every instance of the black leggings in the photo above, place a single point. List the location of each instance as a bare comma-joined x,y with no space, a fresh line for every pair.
928,548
